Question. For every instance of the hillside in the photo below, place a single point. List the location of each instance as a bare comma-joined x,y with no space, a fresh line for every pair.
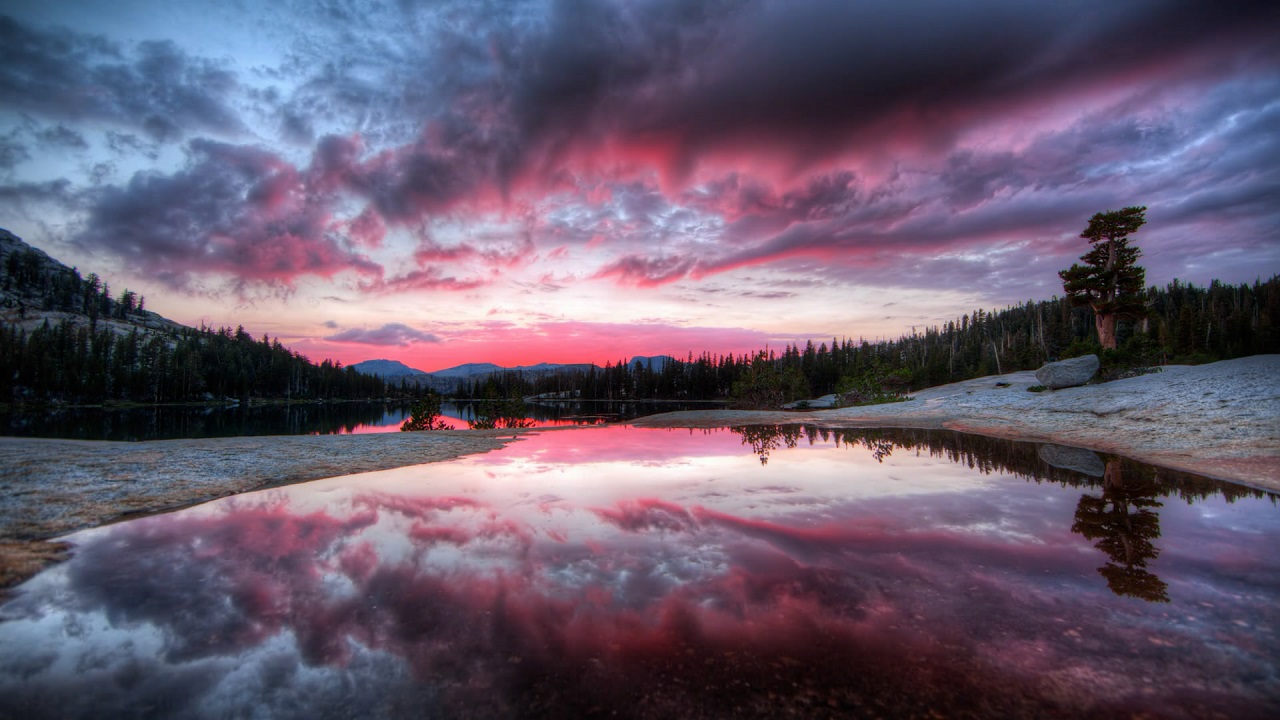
35,288
64,338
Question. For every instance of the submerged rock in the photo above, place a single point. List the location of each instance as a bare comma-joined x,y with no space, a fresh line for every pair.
1068,373
1070,458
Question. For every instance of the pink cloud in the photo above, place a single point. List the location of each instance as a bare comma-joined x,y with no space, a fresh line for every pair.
429,279
643,272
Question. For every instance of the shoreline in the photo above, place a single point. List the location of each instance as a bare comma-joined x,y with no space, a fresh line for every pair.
1220,420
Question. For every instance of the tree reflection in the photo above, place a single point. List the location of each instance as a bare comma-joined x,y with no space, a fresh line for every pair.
1123,523
764,439
1124,526
492,414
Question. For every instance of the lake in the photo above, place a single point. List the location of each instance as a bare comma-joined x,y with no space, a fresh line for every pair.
167,422
618,571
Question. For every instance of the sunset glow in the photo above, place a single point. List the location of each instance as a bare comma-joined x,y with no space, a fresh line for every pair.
561,181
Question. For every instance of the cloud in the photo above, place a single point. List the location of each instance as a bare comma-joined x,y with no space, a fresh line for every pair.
236,210
154,88
661,141
12,151
498,251
645,272
62,136
648,514
429,279
389,334
31,197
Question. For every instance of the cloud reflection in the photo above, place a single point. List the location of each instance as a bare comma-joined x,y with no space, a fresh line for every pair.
485,591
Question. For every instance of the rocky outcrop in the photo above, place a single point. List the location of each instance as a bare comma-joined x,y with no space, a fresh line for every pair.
1068,373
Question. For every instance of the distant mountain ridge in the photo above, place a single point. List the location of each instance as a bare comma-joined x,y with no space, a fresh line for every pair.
386,369
449,379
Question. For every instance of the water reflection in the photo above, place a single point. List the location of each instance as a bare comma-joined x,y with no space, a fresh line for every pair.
654,573
1123,522
1124,525
305,418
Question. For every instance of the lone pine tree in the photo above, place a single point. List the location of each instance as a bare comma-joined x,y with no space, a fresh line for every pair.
1109,281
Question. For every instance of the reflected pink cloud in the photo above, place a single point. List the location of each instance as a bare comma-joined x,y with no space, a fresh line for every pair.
517,590
414,506
432,534
648,514
642,445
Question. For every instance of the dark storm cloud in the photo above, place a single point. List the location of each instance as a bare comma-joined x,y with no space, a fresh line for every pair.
155,88
810,76
673,85
232,209
724,133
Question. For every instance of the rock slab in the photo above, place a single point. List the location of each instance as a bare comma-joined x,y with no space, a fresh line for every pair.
1068,373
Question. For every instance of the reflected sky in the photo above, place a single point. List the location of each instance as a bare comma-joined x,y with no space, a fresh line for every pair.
669,573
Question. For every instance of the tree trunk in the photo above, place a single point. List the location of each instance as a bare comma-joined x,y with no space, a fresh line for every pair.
1106,325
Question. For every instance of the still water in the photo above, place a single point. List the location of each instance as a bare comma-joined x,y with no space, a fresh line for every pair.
167,422
628,572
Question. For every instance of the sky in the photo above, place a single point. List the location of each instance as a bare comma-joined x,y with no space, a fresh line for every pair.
568,181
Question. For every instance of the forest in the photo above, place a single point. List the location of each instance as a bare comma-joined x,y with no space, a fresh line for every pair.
111,349
1183,324
87,358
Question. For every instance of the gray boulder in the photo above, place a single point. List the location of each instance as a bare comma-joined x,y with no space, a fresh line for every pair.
1070,458
1068,373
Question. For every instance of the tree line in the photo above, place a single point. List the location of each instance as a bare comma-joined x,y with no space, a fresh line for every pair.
76,363
1183,323
86,356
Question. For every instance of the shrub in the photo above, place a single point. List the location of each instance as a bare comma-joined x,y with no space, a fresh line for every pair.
425,415
874,386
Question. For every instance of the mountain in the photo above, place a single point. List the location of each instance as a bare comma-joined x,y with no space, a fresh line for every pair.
449,380
468,371
387,369
653,362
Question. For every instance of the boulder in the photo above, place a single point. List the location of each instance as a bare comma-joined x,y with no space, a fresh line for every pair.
1068,373
1070,458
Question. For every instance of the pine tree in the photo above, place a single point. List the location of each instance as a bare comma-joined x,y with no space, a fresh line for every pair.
1109,281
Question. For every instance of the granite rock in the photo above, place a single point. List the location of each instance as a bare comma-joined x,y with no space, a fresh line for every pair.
1068,373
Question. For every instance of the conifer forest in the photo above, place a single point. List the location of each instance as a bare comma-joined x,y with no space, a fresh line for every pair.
85,358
